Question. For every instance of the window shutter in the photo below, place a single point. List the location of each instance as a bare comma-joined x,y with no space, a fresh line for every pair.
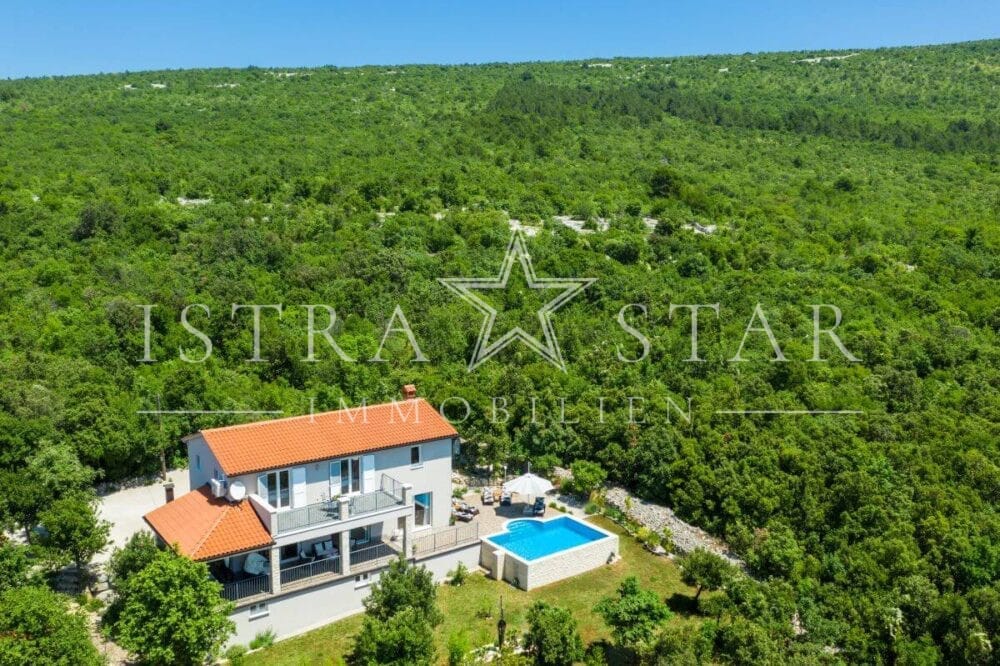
368,470
299,496
334,479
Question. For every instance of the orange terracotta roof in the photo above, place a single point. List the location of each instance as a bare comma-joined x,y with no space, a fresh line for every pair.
254,447
205,527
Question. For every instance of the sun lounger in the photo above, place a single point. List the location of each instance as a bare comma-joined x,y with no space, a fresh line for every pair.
538,508
488,497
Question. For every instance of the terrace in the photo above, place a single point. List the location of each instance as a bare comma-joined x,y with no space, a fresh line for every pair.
327,512
247,578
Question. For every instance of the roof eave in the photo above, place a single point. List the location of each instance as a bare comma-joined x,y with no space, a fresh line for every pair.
240,472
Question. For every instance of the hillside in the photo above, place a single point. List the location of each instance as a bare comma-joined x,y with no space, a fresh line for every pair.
871,182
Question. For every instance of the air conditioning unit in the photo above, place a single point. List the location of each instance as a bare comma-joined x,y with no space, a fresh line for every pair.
218,490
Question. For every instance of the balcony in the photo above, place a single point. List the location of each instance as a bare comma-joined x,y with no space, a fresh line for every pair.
248,587
325,567
311,573
390,494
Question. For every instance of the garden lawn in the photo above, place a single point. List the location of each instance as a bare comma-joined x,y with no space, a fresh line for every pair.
473,608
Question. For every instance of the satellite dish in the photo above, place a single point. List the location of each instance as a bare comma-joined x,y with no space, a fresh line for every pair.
237,491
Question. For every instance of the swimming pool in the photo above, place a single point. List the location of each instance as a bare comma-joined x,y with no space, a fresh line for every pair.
532,539
532,552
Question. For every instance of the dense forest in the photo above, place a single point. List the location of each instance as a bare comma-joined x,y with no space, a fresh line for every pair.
869,180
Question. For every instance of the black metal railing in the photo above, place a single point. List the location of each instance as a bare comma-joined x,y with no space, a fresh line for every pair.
248,587
329,565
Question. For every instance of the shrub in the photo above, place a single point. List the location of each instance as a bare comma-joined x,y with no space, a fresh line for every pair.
36,627
129,560
236,655
552,636
587,477
172,612
591,508
458,648
459,575
543,465
263,639
633,614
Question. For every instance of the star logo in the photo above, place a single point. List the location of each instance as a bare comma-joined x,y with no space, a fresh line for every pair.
517,254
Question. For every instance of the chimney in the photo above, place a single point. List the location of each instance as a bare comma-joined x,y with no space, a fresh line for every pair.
410,391
168,491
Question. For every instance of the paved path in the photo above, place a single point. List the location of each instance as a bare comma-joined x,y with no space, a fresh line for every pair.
124,509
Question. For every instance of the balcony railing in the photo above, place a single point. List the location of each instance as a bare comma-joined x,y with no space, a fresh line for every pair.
311,514
372,557
390,494
329,565
446,539
248,587
370,502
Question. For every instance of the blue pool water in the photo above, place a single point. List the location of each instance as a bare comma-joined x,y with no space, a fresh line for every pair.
532,539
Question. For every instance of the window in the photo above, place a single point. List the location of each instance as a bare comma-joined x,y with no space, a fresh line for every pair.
361,535
349,471
259,610
273,486
197,462
422,509
362,580
415,458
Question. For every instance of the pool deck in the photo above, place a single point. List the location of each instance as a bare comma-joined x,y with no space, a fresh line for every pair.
492,518
503,562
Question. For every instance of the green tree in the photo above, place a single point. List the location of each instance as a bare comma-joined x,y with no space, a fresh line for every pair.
552,636
587,476
15,568
665,181
50,473
633,614
37,628
404,585
704,570
173,613
137,553
72,530
403,639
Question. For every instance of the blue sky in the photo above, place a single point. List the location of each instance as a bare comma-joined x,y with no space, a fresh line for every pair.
42,37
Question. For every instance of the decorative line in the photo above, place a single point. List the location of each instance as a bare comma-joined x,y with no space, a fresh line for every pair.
210,411
748,412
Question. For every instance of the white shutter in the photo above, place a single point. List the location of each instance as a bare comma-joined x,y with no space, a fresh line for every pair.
299,487
334,479
368,474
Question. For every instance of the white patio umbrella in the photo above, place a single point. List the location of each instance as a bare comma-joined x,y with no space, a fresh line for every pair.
528,484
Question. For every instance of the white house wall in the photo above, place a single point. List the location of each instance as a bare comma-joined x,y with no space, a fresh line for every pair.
432,475
198,449
297,612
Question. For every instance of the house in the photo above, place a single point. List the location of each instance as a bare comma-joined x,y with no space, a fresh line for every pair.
297,516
